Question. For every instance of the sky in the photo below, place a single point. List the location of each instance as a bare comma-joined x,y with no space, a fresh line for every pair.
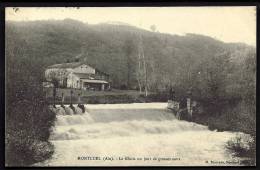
228,24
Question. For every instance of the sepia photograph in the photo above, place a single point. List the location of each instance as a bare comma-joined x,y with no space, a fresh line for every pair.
130,86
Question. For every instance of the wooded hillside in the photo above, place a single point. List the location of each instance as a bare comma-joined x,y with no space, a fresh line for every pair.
170,59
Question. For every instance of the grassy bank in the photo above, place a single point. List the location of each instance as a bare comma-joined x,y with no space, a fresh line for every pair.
235,116
104,97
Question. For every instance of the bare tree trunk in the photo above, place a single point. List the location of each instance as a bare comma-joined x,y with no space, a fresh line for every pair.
142,62
139,73
128,75
140,86
145,76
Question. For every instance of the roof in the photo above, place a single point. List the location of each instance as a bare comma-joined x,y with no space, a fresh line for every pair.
94,81
66,65
74,65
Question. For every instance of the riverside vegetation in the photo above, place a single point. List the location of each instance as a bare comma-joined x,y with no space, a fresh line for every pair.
222,76
28,119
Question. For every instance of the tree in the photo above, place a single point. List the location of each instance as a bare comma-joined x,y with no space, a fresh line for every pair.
57,77
153,28
214,72
142,68
28,119
129,50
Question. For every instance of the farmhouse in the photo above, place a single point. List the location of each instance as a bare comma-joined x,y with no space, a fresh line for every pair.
77,75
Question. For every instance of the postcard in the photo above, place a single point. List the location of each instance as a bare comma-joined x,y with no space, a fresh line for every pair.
130,86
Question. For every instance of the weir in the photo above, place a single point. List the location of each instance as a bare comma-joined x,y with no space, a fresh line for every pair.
133,130
117,120
68,109
60,109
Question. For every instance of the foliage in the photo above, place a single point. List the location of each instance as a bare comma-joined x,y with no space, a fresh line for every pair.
57,77
129,49
170,59
245,147
28,119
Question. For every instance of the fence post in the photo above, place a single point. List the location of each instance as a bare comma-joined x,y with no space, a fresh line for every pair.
189,107
173,95
62,100
79,99
170,94
71,92
80,105
54,95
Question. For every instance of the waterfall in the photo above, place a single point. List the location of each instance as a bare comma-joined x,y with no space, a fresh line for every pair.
134,130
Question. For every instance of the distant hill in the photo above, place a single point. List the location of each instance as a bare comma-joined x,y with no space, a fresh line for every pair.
113,48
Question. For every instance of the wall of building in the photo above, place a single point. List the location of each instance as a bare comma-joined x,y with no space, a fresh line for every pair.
57,73
73,81
84,69
67,79
48,73
101,76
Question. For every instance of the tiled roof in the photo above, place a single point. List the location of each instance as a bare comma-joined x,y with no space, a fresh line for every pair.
66,65
74,65
95,81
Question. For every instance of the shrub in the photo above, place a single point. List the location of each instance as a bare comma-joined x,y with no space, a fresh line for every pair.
243,146
28,124
28,119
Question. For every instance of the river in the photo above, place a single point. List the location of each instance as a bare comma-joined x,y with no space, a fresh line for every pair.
135,134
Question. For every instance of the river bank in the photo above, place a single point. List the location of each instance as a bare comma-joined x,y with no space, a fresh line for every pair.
232,116
113,96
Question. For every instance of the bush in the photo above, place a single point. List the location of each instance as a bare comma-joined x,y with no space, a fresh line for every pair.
28,118
28,125
243,146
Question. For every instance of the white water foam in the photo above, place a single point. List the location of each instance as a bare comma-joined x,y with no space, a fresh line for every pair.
135,130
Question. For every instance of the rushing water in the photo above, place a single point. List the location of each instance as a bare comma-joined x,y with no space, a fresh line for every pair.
134,132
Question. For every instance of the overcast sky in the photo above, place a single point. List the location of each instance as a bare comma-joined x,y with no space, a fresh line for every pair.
228,24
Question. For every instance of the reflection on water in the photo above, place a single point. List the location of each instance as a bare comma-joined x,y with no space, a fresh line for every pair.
135,131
